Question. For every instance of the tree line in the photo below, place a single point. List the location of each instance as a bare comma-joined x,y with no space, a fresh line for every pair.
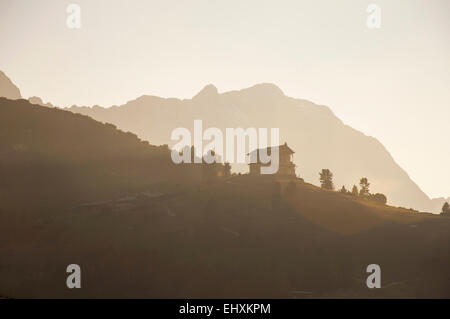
326,182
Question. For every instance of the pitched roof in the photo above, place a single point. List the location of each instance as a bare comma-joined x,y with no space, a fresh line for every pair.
284,148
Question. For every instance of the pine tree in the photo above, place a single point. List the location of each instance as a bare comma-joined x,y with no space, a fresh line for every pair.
364,183
445,209
326,179
355,190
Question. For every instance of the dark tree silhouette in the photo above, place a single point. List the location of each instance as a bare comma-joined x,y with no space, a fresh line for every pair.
379,198
343,190
445,209
364,183
355,190
326,179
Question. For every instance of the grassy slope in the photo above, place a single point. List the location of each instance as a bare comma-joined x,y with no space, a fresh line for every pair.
51,158
233,239
237,238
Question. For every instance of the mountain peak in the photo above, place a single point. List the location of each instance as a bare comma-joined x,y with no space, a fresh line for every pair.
208,91
8,89
265,88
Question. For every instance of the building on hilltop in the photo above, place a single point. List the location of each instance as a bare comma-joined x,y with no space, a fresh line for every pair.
286,166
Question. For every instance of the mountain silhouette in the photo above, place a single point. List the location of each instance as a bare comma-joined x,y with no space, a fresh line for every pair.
8,89
319,138
53,157
73,188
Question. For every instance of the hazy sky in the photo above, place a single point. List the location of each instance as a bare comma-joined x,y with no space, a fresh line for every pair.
392,83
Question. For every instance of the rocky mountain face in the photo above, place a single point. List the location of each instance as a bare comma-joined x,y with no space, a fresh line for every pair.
8,89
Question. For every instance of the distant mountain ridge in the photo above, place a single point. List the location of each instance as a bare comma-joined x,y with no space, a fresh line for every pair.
319,138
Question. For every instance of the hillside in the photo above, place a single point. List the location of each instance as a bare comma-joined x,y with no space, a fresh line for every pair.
51,157
74,190
240,238
318,137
